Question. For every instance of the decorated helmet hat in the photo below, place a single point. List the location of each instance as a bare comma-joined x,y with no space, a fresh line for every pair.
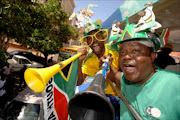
142,37
92,26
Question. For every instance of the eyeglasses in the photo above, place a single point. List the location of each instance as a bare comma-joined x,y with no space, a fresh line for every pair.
100,35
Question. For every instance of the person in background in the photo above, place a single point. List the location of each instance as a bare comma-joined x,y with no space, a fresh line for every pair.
22,77
88,63
163,58
3,96
50,60
9,84
6,71
2,86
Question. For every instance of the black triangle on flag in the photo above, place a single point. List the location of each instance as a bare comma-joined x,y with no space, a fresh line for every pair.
66,70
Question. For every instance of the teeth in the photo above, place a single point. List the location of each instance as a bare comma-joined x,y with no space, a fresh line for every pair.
128,65
95,44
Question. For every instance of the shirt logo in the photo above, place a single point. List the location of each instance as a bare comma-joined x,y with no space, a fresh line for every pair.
155,112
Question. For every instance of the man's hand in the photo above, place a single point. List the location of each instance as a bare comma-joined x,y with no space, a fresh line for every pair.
84,52
113,75
102,60
126,14
81,76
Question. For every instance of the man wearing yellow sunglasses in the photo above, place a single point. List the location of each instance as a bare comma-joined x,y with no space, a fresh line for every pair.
88,64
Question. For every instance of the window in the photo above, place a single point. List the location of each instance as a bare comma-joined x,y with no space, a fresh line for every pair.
24,61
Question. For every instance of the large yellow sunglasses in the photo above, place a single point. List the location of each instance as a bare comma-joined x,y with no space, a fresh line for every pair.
100,35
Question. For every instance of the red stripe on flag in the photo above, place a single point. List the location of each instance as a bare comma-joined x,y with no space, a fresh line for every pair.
166,36
61,105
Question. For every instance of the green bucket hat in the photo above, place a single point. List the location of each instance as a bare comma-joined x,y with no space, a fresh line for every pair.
142,37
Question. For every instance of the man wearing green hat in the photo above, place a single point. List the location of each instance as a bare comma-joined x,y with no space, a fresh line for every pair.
153,92
88,65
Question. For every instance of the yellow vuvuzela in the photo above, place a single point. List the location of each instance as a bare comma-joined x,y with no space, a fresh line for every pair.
37,78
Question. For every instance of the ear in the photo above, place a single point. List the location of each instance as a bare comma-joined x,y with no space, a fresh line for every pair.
153,56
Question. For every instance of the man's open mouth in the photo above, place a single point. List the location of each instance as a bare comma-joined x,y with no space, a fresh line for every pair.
129,67
96,47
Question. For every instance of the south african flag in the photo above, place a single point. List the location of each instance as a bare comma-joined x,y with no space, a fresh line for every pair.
58,91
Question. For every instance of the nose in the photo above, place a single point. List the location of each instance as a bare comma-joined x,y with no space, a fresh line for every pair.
94,39
127,56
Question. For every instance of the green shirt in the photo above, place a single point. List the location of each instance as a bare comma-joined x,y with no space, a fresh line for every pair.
158,98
